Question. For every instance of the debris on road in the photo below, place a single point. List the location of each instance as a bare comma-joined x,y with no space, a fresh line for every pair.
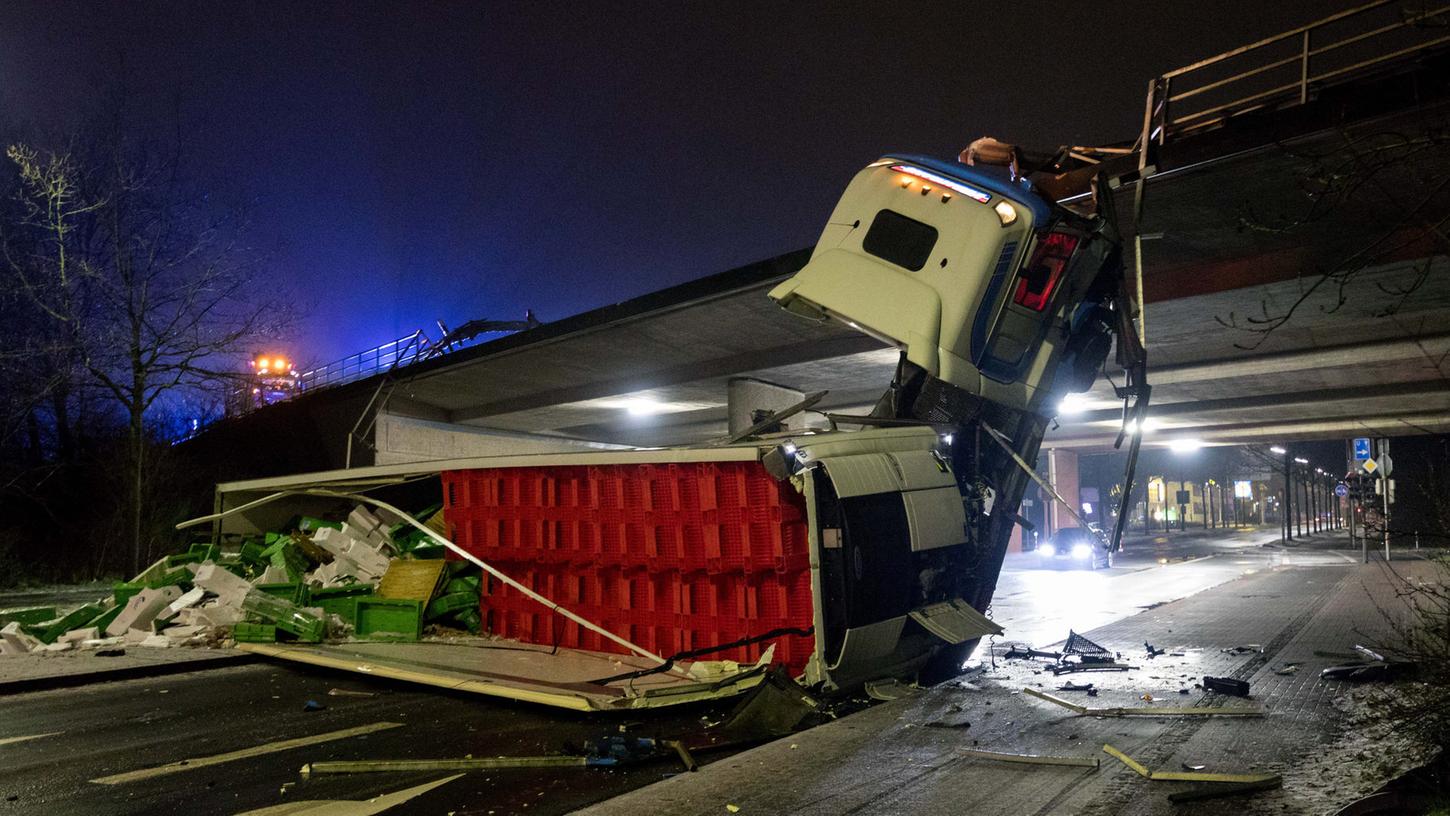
1153,651
1288,669
1247,648
1018,652
1369,672
369,577
1189,776
1226,685
1033,759
1151,711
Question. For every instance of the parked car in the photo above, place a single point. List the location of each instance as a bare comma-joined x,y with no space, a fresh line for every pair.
1075,548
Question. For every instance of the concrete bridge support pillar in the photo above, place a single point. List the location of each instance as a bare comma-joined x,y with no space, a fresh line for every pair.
1062,474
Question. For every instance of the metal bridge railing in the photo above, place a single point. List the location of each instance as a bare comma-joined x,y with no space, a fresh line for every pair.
1285,68
400,352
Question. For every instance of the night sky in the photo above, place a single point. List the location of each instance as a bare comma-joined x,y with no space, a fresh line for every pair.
413,161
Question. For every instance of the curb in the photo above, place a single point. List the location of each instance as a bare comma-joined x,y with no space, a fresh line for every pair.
29,684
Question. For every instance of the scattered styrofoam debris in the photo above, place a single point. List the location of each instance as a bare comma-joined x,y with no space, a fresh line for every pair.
143,607
208,594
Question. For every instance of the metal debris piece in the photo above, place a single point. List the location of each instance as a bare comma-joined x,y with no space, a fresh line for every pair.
1079,645
1288,669
1368,672
1071,686
686,758
1034,759
1094,665
1164,711
1191,776
1226,685
1370,653
1153,651
1015,652
1188,767
1256,648
338,692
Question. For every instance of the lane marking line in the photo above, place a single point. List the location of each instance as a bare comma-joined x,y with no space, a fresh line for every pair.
11,740
245,753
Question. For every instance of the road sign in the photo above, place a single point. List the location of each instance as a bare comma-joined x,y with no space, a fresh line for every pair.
1361,448
1387,465
1369,465
1341,490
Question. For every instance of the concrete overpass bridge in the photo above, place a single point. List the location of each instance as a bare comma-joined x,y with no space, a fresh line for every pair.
1294,272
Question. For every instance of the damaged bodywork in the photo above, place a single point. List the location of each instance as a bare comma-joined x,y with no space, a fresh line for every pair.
846,557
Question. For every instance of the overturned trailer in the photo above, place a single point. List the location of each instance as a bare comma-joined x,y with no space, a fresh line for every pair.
627,579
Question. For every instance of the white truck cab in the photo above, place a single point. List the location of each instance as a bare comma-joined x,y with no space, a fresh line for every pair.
970,272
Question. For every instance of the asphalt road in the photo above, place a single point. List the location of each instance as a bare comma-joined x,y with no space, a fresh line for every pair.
78,736
112,728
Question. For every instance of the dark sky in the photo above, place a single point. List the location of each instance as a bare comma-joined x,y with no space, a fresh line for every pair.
414,161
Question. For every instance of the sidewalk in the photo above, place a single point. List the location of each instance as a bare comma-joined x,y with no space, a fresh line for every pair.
885,760
37,672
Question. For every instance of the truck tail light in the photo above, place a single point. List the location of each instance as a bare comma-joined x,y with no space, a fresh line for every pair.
1039,280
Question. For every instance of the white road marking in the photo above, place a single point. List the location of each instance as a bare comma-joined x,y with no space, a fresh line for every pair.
349,807
245,753
9,740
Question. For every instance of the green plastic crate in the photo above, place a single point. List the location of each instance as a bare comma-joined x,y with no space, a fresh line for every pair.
27,615
389,619
175,577
341,601
286,616
292,592
48,631
285,556
251,553
453,602
254,633
204,551
310,524
125,591
104,619
468,583
469,619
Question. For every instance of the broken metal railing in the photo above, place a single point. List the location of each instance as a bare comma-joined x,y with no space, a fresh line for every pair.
1285,68
365,364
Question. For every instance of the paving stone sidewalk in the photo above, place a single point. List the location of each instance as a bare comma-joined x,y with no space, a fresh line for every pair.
888,760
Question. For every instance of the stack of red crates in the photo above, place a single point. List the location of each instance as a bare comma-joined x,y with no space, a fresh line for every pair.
672,557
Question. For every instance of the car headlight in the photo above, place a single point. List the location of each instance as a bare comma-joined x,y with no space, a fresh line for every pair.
1048,550
1082,551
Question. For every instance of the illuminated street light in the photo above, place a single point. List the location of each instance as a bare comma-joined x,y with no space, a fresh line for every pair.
1185,445
1278,450
644,406
1072,404
1301,461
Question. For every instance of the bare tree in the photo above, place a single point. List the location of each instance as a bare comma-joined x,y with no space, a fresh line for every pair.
1386,183
145,280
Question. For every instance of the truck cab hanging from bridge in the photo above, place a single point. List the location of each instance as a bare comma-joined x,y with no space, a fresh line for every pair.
970,271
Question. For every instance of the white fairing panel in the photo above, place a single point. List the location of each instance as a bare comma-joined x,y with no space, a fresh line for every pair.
933,504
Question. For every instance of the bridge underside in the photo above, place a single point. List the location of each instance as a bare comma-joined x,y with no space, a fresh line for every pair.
1295,274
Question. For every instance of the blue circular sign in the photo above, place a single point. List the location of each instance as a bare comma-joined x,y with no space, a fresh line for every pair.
1341,490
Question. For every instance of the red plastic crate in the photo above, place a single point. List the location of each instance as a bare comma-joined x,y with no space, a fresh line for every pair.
673,557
